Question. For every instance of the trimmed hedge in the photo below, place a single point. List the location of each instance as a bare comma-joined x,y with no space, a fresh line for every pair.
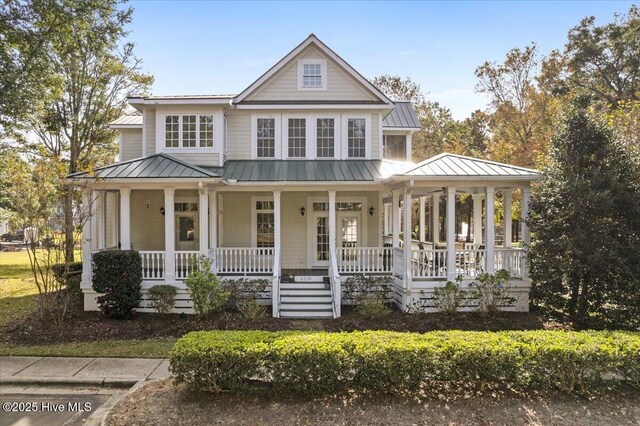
383,361
117,276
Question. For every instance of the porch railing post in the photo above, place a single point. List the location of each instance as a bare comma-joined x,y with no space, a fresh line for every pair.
169,236
490,230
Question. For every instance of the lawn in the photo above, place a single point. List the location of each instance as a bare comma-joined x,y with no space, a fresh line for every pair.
151,348
18,293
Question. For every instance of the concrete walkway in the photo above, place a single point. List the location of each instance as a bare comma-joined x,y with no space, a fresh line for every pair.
119,372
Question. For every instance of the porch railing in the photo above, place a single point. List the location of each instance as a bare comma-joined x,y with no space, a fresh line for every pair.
152,265
470,262
429,263
186,261
365,260
511,259
249,260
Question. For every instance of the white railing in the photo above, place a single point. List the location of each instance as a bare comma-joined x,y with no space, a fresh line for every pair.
275,284
334,280
365,260
152,265
244,260
511,259
186,261
429,263
470,262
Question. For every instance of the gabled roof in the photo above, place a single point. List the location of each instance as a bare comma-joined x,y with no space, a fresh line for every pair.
127,122
453,165
157,166
312,39
403,116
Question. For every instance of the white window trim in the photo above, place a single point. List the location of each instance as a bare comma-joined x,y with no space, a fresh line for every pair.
345,135
408,141
180,148
310,139
254,217
323,74
277,135
337,148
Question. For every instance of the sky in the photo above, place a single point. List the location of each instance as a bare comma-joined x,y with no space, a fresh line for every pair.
207,47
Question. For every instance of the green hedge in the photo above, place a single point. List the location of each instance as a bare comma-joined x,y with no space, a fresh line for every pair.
117,276
383,361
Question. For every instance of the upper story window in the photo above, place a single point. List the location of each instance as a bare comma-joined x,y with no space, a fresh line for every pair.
297,145
266,138
395,147
188,131
356,138
325,137
312,74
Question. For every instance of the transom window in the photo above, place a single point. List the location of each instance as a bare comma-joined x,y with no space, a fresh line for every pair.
297,137
342,206
265,224
356,137
312,75
325,137
186,207
395,147
188,131
266,137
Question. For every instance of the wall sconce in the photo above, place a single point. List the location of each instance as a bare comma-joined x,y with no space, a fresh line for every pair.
302,211
162,211
371,211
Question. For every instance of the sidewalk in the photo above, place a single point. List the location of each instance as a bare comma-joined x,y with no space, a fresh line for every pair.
117,372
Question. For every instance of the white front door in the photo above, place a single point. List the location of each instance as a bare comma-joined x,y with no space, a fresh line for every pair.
187,231
348,234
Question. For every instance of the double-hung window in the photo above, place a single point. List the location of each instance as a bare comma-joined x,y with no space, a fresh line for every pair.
325,137
206,131
266,138
297,142
356,137
312,74
172,131
188,131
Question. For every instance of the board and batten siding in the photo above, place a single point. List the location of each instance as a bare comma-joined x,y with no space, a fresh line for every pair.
131,144
284,85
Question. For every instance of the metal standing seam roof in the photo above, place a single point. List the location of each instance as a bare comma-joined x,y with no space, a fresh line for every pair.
309,170
402,116
157,166
453,165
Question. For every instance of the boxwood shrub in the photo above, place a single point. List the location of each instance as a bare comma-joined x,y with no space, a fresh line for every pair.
117,276
70,274
384,361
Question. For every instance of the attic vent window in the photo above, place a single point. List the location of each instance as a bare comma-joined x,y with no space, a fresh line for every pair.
312,74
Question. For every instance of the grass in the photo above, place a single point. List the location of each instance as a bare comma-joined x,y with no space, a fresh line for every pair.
152,348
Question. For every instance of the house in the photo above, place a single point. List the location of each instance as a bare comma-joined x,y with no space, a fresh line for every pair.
301,178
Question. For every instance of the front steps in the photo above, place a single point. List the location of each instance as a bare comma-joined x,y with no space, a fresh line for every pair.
307,297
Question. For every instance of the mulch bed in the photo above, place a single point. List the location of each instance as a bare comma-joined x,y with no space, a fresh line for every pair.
83,326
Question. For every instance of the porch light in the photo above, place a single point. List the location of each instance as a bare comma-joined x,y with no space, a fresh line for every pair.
302,211
162,211
371,211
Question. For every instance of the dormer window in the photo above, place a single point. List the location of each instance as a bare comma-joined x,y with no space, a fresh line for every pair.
312,74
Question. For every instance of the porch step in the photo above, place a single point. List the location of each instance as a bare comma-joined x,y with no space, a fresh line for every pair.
305,292
306,314
309,297
296,298
303,286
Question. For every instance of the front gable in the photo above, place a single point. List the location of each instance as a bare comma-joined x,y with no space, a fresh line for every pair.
283,82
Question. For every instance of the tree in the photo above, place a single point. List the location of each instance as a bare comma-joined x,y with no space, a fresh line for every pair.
585,219
95,72
399,89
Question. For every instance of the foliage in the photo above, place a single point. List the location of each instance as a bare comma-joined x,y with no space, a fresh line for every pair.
162,297
70,274
585,219
382,361
449,298
251,310
205,289
370,294
491,290
243,290
625,121
117,277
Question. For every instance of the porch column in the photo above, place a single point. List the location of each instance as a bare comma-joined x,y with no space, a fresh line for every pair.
451,233
506,200
422,220
332,219
407,238
490,231
87,268
203,213
213,219
169,236
125,218
395,214
277,233
435,217
95,220
387,219
526,236
477,218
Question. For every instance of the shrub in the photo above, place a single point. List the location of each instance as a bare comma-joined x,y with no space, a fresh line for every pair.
251,310
371,295
383,361
243,290
162,297
491,291
117,275
205,289
69,274
450,297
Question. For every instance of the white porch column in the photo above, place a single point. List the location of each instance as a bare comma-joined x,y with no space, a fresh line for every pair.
506,200
526,236
435,218
203,213
477,218
87,268
407,239
125,218
387,219
490,230
95,220
395,214
451,233
332,219
213,219
169,236
422,236
277,233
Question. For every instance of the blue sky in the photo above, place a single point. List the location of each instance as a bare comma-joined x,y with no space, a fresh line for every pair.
203,47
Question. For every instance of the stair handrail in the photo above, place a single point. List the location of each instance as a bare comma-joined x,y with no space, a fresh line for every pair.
334,280
275,285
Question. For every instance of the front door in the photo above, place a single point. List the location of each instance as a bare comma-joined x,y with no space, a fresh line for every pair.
186,231
348,234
